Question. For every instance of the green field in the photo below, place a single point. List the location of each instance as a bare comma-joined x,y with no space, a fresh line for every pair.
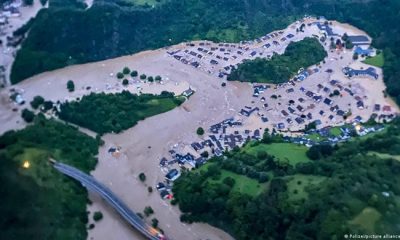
384,155
377,61
316,137
335,131
297,185
283,151
243,184
367,219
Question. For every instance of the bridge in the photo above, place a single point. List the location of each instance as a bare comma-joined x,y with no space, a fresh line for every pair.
93,185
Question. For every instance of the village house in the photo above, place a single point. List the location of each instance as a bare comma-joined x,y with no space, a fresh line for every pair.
369,72
363,52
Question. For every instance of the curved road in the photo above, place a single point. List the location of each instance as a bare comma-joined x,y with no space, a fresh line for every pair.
93,185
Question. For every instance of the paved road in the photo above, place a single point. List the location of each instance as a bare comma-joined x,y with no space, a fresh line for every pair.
93,185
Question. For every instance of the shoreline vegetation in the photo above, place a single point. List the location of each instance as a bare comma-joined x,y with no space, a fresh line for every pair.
32,188
280,68
116,112
298,199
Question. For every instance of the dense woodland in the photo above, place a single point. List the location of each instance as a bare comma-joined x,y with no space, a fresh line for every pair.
349,190
39,202
113,29
281,68
104,113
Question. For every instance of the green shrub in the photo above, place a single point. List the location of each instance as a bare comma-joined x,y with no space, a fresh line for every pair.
154,222
70,86
142,177
27,115
148,211
37,101
126,70
120,75
134,73
200,131
97,216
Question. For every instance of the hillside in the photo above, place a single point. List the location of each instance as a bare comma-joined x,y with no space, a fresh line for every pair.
37,201
114,28
351,190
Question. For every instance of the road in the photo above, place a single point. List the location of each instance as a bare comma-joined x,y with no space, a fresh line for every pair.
93,185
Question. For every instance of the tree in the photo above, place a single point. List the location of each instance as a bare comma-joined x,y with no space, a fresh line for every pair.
204,154
37,101
345,37
313,153
27,115
148,211
125,82
120,75
336,92
97,216
317,151
200,131
261,155
134,73
349,44
223,84
154,222
267,138
158,78
28,2
263,177
229,181
70,86
143,76
47,105
311,125
150,79
149,189
43,2
142,177
126,70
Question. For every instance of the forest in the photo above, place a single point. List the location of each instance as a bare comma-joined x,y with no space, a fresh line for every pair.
280,68
113,29
30,187
104,113
352,189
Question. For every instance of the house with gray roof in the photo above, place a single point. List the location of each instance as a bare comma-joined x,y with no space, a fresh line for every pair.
369,72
